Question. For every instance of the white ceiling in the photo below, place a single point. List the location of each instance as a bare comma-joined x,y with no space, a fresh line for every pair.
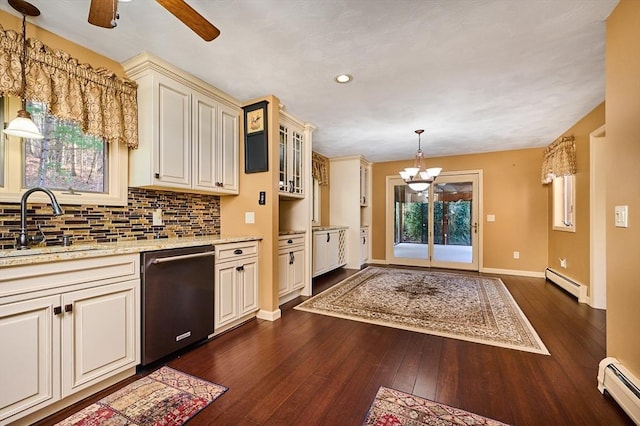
478,75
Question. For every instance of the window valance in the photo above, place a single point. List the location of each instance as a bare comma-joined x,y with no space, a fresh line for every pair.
559,159
103,104
319,168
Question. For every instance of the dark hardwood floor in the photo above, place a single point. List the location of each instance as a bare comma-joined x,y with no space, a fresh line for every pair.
310,369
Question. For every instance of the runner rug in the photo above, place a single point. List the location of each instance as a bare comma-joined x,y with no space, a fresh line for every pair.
395,408
164,397
466,307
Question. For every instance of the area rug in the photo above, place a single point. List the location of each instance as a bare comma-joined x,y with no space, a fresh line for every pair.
466,307
392,407
164,397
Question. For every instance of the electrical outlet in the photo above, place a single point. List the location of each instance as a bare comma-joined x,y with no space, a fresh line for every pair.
516,255
622,216
249,217
563,263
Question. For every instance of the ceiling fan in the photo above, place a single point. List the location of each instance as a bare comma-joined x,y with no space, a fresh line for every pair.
104,13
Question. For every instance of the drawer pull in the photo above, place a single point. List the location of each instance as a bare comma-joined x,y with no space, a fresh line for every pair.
237,251
289,241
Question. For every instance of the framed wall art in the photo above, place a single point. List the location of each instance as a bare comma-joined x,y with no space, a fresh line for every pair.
256,138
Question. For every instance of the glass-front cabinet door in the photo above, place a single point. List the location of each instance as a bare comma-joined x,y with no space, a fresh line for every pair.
291,147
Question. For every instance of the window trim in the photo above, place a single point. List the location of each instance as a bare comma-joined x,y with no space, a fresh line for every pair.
564,202
12,191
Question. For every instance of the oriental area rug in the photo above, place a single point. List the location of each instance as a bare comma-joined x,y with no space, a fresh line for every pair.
465,307
395,408
165,397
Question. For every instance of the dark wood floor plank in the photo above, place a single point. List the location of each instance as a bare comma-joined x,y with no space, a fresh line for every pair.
317,370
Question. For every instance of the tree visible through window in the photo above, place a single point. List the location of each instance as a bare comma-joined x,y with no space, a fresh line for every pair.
66,159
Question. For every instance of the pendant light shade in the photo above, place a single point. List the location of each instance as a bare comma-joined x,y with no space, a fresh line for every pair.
416,177
22,126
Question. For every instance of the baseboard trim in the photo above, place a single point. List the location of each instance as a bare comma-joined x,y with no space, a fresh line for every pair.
533,274
269,315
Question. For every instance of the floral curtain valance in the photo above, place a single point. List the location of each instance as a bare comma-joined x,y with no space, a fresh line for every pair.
559,159
102,103
319,168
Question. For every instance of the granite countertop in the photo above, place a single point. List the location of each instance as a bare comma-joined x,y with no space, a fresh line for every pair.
80,251
329,228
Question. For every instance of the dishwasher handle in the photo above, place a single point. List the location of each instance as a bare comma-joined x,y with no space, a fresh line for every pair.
181,257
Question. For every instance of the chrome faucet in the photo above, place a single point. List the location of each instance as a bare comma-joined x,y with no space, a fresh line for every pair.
24,240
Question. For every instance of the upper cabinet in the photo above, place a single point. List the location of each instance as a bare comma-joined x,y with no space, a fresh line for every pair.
188,131
291,180
364,183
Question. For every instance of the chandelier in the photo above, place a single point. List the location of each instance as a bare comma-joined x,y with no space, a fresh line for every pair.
417,177
22,126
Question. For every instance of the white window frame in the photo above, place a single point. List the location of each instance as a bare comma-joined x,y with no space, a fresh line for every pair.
12,190
564,201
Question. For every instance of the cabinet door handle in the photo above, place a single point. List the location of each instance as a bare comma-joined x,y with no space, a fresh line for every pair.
157,175
292,258
68,308
57,310
240,268
291,189
328,237
237,251
364,240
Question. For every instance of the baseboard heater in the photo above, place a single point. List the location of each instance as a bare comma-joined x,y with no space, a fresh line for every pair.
623,386
569,285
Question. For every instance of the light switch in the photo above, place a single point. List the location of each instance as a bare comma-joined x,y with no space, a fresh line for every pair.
622,216
157,217
491,218
249,217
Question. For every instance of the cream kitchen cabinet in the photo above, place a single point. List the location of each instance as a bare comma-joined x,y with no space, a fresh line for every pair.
65,329
328,250
188,131
291,147
364,245
236,284
291,263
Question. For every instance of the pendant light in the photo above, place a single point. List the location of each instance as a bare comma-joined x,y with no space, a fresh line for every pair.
417,177
22,126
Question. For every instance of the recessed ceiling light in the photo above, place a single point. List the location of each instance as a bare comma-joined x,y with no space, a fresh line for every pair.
343,78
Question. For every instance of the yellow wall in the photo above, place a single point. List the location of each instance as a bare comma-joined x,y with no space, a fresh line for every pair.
233,208
83,55
512,192
574,246
623,182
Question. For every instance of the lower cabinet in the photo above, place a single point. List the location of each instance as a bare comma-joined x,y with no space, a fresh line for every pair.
328,250
236,285
69,335
364,245
291,269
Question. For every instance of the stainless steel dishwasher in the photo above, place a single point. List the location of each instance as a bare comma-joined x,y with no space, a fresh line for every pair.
177,299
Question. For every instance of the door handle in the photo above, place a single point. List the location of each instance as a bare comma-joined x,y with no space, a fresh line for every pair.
68,308
181,257
328,237
475,227
291,258
240,268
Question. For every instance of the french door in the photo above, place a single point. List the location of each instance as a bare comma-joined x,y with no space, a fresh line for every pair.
437,227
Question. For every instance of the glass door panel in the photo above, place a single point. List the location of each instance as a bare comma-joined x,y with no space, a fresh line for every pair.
455,222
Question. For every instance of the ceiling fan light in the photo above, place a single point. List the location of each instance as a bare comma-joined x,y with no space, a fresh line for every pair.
418,186
22,126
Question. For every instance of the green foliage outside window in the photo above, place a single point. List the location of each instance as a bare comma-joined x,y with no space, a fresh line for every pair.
66,158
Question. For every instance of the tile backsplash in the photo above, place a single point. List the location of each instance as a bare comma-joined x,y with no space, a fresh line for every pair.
183,214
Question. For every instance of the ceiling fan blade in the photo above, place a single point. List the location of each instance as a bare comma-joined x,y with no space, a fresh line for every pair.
102,13
191,18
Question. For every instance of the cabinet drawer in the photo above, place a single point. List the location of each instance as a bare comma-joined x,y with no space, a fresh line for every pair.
290,240
236,250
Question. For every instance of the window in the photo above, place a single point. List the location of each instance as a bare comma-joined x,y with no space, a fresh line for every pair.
563,203
80,169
